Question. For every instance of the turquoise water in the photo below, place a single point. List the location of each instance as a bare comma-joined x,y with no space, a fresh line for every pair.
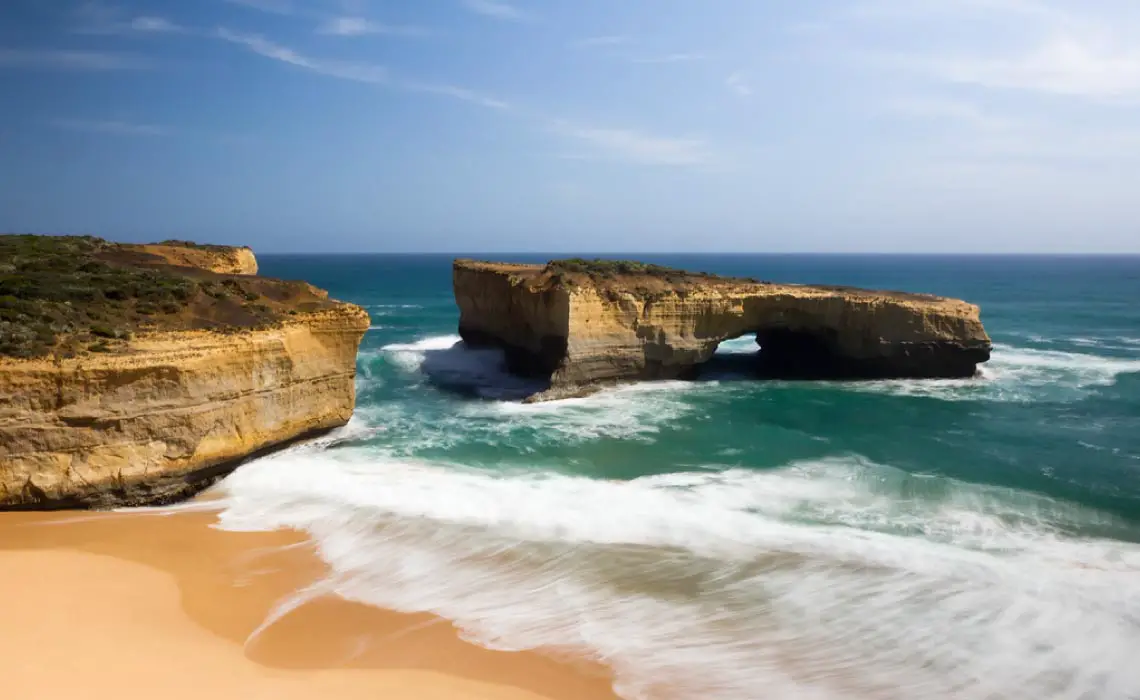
910,539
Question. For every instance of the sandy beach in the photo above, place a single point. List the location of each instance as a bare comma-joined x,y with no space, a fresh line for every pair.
138,605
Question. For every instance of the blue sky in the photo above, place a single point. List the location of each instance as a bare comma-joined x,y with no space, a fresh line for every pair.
574,125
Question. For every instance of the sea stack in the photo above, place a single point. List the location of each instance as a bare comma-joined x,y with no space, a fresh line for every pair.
137,374
584,323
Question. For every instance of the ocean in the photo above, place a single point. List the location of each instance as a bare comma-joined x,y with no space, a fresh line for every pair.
729,538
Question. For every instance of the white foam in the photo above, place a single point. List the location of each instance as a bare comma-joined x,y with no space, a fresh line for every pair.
411,356
744,345
1019,374
831,579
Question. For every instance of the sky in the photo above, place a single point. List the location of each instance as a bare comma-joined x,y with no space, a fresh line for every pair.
953,126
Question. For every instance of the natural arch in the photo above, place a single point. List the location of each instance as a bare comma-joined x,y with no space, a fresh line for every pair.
585,328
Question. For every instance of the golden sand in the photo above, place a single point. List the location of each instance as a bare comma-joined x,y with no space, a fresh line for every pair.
139,605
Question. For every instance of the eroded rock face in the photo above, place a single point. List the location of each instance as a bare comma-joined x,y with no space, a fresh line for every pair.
157,417
582,329
224,260
158,422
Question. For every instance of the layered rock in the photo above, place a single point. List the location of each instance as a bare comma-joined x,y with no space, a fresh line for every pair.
157,415
583,325
226,260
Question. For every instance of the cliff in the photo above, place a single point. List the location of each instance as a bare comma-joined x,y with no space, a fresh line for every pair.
584,323
224,260
166,379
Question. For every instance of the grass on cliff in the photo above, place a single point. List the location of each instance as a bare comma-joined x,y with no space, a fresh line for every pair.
614,278
65,295
179,243
599,267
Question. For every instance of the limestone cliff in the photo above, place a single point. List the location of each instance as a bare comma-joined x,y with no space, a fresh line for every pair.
582,325
151,405
225,260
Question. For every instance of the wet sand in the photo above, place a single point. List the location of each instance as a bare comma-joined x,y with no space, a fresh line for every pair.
105,605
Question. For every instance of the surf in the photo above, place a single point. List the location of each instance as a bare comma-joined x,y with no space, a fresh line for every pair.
831,578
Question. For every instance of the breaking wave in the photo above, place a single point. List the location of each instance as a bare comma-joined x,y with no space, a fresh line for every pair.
835,578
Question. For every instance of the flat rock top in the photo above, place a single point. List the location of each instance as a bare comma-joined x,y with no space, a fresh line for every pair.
70,295
644,279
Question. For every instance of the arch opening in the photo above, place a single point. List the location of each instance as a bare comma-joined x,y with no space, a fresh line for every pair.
781,353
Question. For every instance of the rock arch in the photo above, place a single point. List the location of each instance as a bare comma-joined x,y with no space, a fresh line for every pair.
581,328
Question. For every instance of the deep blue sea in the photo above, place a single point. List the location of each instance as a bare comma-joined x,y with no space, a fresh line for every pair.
728,538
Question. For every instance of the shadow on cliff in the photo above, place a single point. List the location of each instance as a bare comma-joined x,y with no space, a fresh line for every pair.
477,374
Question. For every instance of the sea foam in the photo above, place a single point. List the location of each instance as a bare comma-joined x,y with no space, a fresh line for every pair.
826,579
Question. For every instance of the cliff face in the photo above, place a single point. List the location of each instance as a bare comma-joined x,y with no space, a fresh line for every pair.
224,260
149,424
153,414
582,328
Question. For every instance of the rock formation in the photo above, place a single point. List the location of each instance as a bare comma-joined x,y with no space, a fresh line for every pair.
152,411
224,260
584,323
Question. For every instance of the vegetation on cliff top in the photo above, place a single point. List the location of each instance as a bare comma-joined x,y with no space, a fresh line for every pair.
599,267
65,295
179,243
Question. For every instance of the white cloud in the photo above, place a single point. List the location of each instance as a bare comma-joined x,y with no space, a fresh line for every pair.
459,93
494,8
1085,50
94,17
155,24
359,26
277,7
638,147
48,59
597,41
674,58
952,110
359,72
1066,64
738,83
113,128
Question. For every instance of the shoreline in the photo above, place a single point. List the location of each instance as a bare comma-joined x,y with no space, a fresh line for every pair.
136,604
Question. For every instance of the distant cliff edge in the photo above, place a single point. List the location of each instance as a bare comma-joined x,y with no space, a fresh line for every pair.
136,374
584,323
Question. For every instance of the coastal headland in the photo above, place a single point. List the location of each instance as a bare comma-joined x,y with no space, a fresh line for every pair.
138,374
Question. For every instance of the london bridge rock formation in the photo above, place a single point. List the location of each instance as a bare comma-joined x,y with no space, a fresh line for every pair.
585,323
137,374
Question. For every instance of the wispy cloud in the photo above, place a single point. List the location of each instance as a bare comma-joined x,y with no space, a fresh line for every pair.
112,128
941,109
1069,64
158,25
359,26
48,59
358,72
738,83
601,41
685,57
276,7
94,17
459,93
494,8
1041,46
638,147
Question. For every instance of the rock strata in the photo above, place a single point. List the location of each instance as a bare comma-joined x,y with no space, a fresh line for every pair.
155,412
584,323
